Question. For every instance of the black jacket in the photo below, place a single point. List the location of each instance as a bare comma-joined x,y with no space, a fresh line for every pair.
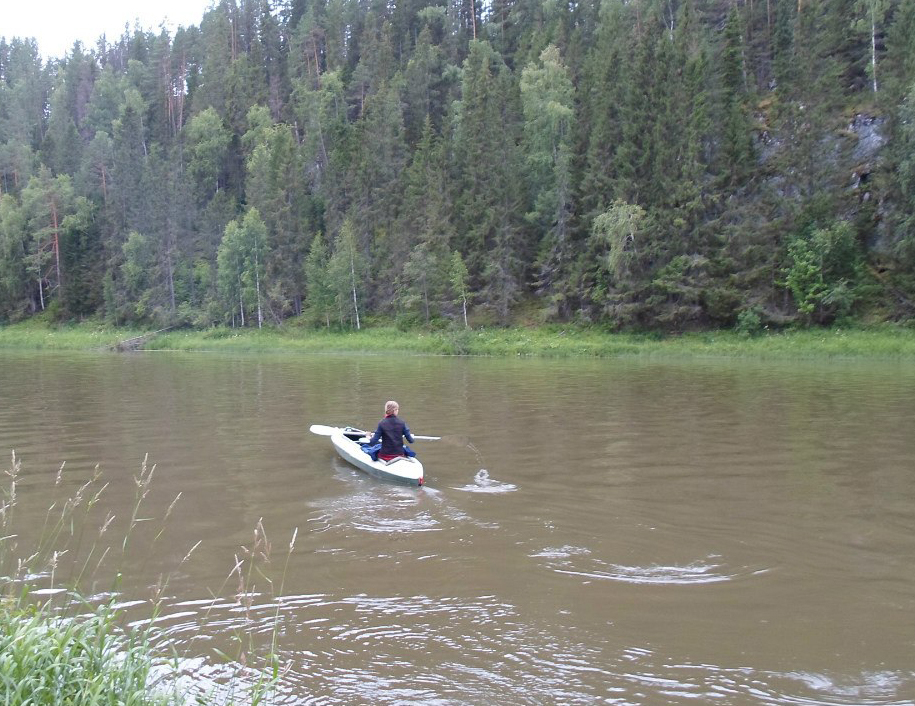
391,431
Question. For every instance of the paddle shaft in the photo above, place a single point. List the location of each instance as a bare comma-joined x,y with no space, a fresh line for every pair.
324,430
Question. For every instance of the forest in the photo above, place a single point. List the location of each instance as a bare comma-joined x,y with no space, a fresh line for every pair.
663,165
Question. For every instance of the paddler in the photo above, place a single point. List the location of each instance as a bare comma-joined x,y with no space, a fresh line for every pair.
391,431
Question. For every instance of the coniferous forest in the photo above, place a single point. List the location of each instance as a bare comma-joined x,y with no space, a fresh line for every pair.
639,164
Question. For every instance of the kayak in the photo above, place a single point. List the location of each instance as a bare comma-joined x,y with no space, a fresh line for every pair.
404,469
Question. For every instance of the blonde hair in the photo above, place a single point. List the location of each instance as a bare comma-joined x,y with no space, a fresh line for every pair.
391,407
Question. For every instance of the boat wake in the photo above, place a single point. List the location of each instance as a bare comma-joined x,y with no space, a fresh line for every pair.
482,483
569,560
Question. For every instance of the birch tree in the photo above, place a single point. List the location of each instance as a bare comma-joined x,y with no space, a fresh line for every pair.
240,263
347,271
47,201
870,22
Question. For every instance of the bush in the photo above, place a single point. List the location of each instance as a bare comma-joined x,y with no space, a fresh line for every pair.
823,272
749,322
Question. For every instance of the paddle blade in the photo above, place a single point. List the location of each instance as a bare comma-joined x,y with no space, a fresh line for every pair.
322,430
426,438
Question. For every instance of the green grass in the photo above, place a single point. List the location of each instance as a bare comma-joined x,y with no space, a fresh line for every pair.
39,335
83,660
885,341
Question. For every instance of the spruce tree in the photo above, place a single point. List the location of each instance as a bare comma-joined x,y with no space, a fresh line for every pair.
737,153
547,97
488,199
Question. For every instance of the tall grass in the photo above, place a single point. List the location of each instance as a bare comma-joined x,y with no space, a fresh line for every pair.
58,648
87,660
40,335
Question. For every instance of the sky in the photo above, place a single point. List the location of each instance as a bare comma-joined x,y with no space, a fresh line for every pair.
56,24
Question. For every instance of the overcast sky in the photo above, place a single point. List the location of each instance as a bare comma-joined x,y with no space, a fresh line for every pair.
56,24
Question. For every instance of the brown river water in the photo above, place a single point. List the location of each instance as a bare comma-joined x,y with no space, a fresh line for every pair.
591,532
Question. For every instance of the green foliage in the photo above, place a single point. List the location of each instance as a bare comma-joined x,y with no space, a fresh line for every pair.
458,277
823,272
84,660
15,290
207,144
547,98
615,232
749,322
346,275
241,267
505,132
319,297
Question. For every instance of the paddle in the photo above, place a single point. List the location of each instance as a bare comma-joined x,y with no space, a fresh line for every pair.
323,430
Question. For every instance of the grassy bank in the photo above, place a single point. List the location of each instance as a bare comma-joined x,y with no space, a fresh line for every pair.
884,341
39,335
83,660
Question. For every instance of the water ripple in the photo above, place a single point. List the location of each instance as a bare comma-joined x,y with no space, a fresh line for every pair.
567,560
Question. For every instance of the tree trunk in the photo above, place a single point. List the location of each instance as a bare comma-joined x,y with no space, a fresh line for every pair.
241,303
171,279
40,288
426,299
56,226
352,269
257,287
874,49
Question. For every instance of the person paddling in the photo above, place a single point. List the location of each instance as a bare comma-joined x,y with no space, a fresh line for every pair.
391,432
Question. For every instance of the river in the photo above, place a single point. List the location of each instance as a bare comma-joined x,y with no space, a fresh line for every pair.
617,531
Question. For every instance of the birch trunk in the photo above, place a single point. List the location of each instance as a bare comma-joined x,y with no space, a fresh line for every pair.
241,303
352,269
874,49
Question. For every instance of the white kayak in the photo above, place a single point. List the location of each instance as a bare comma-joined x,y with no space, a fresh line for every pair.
346,440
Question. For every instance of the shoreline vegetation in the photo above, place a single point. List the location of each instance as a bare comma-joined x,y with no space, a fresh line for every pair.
61,645
883,341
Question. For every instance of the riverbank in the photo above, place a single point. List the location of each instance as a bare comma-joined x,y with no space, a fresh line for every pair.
883,342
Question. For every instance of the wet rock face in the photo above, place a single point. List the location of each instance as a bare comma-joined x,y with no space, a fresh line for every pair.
869,131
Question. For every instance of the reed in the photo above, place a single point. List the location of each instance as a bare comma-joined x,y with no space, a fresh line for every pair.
83,660
58,648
